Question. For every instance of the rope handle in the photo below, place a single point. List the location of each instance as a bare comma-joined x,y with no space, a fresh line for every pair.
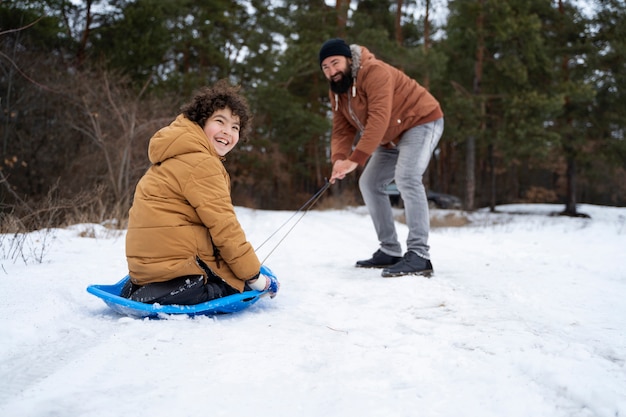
303,210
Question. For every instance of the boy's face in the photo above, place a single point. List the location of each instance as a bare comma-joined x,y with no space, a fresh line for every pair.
222,130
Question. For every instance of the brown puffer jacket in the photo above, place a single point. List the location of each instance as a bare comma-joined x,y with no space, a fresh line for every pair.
382,104
182,210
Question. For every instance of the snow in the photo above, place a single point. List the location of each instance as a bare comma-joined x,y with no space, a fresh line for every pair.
525,316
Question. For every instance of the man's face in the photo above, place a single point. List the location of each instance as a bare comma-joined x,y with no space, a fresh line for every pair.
336,69
222,130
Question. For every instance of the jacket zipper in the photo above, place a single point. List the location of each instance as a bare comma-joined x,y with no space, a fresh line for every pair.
353,115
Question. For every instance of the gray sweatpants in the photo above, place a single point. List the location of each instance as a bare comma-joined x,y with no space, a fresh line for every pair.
406,164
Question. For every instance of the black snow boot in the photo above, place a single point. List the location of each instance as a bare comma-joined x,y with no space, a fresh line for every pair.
378,260
411,264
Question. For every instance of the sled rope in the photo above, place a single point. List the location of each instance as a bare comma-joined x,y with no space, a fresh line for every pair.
302,211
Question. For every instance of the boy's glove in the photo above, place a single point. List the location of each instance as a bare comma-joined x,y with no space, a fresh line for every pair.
266,281
272,282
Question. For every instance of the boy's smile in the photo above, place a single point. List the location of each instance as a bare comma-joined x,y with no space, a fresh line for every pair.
222,130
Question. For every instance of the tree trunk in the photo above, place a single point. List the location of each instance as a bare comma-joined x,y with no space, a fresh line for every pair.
570,204
471,141
82,45
342,7
492,175
318,157
427,44
398,23
570,153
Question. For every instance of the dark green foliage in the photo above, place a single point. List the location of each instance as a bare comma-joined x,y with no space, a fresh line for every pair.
548,110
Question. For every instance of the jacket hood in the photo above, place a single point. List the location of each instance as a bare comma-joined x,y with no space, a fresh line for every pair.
357,53
182,136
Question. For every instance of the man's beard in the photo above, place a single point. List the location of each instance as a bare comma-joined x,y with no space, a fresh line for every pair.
343,85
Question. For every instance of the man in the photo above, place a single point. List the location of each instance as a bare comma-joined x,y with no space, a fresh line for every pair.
399,124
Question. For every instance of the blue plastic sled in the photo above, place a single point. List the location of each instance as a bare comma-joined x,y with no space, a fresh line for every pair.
110,294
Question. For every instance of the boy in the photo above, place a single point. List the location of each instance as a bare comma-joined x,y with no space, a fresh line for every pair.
184,243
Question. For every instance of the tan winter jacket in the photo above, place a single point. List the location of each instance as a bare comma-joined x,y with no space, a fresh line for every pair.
182,210
381,105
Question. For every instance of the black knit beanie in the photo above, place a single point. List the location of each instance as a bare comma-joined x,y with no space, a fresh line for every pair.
334,47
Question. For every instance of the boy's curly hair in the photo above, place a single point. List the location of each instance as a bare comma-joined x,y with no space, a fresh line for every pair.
207,100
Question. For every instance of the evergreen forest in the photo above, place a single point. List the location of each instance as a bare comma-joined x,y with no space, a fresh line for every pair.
533,91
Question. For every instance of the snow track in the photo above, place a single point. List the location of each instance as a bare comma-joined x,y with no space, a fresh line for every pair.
519,320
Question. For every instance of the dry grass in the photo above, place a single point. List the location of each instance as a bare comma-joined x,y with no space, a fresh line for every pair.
337,201
449,219
442,218
28,227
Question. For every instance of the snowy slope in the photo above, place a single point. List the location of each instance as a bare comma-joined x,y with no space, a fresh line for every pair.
525,316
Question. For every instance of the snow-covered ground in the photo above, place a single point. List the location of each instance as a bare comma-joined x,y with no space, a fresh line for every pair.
525,316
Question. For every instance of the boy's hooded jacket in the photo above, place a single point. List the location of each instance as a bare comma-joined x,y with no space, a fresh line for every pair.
182,211
380,106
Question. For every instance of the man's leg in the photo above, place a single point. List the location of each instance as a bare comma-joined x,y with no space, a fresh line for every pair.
415,150
378,173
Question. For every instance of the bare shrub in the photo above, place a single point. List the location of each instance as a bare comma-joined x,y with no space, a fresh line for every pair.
117,122
27,229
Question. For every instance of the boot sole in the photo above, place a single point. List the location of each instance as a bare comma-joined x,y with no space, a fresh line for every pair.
374,266
426,273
